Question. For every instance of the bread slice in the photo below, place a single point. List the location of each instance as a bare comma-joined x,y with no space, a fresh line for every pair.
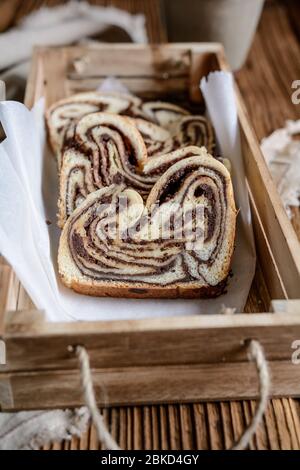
163,125
107,251
63,115
109,149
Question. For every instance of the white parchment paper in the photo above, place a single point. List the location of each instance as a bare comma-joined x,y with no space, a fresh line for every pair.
28,203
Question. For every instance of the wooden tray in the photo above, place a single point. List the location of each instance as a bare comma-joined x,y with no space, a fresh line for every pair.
168,359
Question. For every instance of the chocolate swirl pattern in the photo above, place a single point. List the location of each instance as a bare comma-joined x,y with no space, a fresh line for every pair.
136,263
193,130
188,130
110,149
107,149
62,116
164,126
164,114
158,140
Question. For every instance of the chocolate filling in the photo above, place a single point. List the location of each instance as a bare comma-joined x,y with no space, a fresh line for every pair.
130,155
97,267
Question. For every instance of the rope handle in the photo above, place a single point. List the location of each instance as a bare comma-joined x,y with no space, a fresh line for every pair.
104,435
256,355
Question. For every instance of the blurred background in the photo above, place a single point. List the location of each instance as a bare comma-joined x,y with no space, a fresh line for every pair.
24,23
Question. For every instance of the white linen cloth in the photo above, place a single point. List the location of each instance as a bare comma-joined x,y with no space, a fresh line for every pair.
32,429
282,153
60,25
64,25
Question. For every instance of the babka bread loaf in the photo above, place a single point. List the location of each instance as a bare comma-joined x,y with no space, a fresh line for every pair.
114,244
63,115
164,126
108,149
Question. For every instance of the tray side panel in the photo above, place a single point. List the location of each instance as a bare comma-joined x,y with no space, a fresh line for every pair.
212,339
169,384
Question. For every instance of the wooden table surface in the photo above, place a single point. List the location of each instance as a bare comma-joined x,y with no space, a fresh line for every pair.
265,82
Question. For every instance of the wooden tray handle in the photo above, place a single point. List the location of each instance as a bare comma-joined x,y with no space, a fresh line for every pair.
256,354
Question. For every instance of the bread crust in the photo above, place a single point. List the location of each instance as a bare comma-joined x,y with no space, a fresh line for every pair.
136,290
197,283
131,289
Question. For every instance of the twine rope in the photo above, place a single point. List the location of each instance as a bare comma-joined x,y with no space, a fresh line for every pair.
256,354
104,435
